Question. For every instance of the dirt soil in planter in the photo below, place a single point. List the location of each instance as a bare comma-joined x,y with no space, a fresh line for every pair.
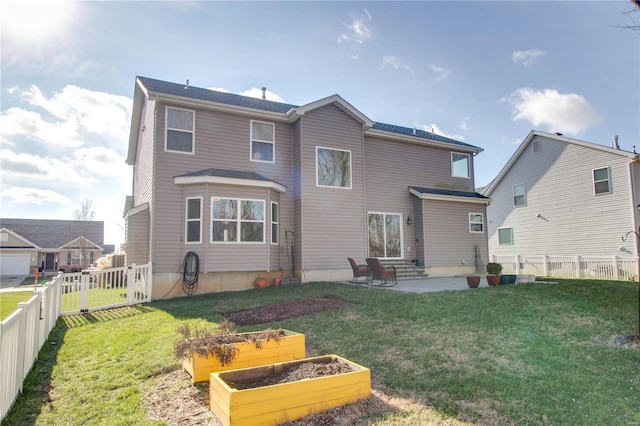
284,310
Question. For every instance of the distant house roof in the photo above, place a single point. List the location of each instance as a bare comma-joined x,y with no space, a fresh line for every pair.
53,234
229,177
487,190
448,194
271,109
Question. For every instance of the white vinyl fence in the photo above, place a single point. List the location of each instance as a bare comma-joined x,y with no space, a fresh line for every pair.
594,267
25,331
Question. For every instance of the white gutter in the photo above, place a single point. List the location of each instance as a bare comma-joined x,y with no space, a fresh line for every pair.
422,141
456,198
186,180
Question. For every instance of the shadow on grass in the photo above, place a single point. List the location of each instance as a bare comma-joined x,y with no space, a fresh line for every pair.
79,320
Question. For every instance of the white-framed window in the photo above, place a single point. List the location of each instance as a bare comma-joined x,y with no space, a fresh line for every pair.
275,218
519,196
536,146
601,181
262,141
333,167
179,130
193,220
476,222
460,165
505,236
237,220
385,235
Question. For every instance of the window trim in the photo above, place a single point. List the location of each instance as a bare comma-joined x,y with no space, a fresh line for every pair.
318,147
608,180
192,132
385,214
510,243
187,220
276,223
468,176
239,221
272,142
524,195
475,223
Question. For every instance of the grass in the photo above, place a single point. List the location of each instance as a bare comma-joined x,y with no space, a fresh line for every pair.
534,354
9,301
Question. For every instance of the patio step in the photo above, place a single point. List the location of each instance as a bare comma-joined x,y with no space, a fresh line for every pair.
406,269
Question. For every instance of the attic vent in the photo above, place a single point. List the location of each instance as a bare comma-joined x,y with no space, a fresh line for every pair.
536,146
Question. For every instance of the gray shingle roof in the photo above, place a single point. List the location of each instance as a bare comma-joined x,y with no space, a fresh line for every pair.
198,93
234,174
50,234
449,192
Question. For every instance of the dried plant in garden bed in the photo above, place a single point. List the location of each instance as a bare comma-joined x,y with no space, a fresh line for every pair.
306,370
218,342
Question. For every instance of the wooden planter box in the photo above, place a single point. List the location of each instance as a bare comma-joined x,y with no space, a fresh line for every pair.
289,347
275,404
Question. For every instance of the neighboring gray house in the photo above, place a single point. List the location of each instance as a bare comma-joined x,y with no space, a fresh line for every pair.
564,197
50,245
256,187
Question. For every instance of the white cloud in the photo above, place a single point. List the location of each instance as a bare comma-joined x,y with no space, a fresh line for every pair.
218,89
564,112
434,128
464,123
358,32
254,92
527,57
24,195
394,62
101,160
19,166
20,122
440,72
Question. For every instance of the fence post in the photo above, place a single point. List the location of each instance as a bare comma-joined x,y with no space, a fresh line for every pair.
518,260
131,283
545,261
578,266
84,291
616,268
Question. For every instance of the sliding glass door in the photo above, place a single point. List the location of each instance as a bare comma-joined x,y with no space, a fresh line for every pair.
385,235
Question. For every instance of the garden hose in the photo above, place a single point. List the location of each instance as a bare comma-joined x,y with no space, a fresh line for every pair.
190,272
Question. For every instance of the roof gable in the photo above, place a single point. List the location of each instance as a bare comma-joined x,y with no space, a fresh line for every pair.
488,190
53,234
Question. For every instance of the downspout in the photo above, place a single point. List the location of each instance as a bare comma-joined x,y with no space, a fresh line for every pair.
153,185
634,202
364,198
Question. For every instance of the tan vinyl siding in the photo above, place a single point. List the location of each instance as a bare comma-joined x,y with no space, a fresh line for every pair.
446,235
137,237
143,170
297,170
333,225
562,215
221,141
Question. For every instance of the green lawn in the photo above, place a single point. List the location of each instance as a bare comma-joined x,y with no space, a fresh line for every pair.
536,354
9,301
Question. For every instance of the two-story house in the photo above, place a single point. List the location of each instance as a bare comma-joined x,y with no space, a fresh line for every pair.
564,197
256,187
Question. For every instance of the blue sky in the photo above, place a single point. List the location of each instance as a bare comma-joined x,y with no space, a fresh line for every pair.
485,73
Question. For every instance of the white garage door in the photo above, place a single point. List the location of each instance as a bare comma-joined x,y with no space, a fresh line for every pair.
15,264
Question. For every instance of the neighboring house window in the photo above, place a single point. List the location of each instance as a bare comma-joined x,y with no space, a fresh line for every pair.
476,222
193,223
519,197
505,236
385,235
536,146
460,165
237,221
275,217
333,167
262,141
180,124
601,181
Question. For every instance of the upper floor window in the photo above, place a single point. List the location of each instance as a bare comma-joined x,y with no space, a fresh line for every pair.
180,125
460,165
193,220
262,141
237,221
505,236
601,181
275,213
333,167
476,222
519,197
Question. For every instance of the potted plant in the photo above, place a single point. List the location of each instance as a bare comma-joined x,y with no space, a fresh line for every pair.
473,281
204,351
493,273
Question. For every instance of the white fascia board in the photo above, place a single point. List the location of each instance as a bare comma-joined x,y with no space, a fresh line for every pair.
186,180
422,141
441,197
20,237
345,106
88,247
137,209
